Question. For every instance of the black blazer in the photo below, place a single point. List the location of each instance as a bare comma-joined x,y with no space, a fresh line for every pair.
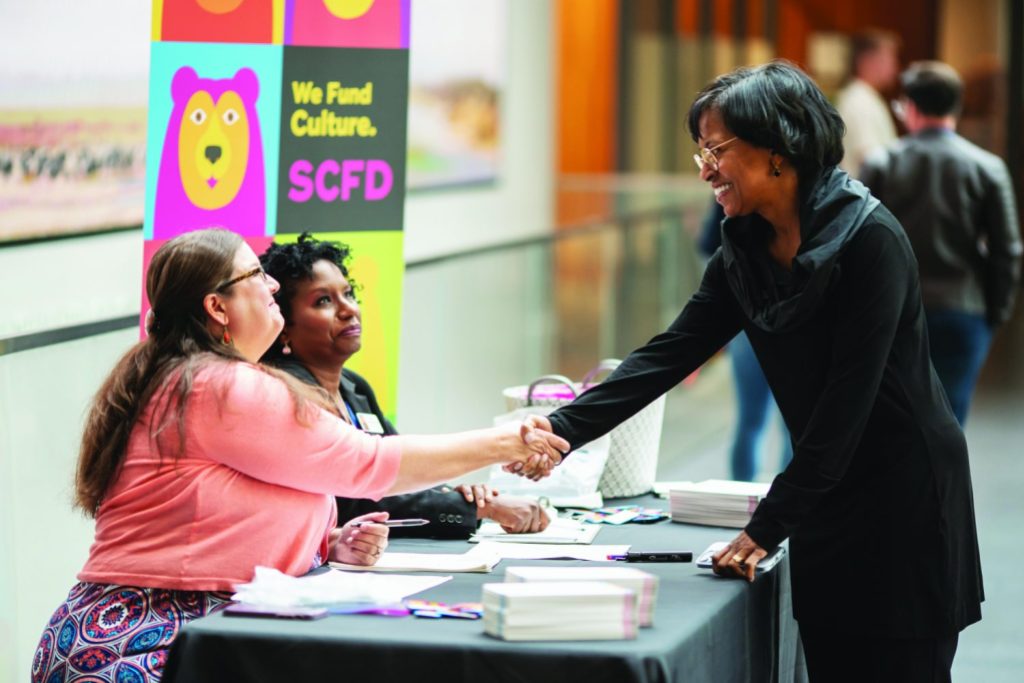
450,515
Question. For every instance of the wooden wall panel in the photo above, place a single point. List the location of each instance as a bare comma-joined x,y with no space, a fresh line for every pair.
916,22
586,83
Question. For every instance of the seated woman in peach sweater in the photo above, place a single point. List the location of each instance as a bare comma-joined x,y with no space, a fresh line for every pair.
199,465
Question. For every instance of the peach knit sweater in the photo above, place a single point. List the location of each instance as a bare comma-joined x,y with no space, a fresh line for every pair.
253,487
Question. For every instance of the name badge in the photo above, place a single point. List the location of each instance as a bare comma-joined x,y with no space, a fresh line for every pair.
368,422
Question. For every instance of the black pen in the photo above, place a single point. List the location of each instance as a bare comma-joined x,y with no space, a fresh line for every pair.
655,556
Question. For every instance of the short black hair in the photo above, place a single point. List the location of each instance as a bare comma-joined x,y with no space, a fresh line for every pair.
778,107
290,263
934,87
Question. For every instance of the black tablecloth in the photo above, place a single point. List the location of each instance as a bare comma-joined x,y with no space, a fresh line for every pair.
705,629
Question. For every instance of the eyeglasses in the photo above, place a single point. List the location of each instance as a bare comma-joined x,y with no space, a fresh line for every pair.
707,156
258,270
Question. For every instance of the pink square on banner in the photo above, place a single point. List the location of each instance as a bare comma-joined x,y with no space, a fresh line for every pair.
347,23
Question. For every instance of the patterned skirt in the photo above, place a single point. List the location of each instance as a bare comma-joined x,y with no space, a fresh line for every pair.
116,633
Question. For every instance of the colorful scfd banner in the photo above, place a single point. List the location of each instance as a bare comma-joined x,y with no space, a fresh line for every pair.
274,117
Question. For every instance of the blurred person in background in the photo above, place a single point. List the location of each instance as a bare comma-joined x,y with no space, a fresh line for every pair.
874,66
956,202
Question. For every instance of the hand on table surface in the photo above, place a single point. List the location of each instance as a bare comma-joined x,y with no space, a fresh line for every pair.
739,558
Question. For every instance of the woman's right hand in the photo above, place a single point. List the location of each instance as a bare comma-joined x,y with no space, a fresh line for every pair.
544,449
539,465
515,515
361,540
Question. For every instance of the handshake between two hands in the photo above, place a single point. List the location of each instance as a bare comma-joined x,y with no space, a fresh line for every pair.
545,449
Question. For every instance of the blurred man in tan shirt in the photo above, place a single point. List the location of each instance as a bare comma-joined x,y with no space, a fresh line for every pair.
874,66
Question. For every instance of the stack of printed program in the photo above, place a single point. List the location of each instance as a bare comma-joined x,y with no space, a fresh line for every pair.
716,502
552,610
643,585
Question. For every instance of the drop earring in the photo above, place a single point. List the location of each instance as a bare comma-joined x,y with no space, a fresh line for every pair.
226,337
776,171
286,350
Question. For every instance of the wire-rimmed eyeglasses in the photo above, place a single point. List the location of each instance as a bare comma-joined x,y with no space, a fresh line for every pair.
707,156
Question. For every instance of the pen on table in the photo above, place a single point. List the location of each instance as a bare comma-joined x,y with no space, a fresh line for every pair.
394,522
654,556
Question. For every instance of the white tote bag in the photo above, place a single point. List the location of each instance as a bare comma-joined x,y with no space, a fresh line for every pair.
578,476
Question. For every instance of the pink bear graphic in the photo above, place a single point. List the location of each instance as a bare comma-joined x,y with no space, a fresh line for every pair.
211,170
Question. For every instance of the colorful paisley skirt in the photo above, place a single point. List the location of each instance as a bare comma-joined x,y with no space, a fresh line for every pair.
116,634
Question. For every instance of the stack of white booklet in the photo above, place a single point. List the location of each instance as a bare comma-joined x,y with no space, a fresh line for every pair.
716,502
643,585
585,610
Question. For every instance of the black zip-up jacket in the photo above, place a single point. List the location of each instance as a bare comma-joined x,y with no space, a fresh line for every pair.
955,200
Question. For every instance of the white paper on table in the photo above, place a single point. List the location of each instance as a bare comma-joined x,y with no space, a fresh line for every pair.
271,587
543,551
589,501
560,531
476,560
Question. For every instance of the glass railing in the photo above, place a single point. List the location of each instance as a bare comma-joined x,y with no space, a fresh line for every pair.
620,269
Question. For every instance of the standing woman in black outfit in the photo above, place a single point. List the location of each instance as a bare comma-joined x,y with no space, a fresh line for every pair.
877,500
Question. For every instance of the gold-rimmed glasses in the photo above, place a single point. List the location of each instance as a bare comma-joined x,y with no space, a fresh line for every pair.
258,270
707,156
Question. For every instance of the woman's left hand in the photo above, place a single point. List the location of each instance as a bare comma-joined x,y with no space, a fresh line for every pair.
739,558
361,544
476,493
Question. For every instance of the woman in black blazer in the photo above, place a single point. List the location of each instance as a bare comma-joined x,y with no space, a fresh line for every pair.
322,331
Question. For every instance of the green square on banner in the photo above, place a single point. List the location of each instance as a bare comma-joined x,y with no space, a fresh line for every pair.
376,269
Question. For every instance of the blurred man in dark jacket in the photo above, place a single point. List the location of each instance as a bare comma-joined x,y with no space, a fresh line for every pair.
956,202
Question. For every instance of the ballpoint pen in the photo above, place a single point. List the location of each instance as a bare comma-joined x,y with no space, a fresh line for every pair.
394,522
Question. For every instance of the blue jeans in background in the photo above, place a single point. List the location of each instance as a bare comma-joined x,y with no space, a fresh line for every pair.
755,404
959,344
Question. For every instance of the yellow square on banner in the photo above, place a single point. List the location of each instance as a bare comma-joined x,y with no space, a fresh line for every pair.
376,270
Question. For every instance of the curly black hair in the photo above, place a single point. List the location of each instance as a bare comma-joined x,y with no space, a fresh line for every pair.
290,263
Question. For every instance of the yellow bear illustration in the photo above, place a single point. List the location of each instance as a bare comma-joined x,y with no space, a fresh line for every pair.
213,148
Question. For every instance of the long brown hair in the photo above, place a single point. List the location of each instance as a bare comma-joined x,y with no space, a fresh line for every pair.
183,271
